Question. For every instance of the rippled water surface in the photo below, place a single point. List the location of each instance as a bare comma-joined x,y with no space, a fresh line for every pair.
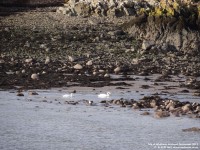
44,121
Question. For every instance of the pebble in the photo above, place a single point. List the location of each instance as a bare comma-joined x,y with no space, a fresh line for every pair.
20,94
117,70
78,67
35,76
161,114
89,63
33,93
145,113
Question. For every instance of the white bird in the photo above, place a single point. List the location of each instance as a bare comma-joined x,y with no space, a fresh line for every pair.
68,95
104,95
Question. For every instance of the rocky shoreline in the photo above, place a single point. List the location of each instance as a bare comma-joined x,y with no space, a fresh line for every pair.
88,50
58,49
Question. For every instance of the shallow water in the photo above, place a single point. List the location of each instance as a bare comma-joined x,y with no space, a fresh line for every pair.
29,123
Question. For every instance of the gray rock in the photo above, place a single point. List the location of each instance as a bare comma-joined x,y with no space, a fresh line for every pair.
78,67
147,44
35,76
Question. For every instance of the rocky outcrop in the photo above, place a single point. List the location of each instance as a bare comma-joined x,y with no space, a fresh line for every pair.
115,8
120,8
165,33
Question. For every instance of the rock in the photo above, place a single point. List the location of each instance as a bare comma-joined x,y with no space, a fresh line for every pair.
197,109
177,112
78,67
29,60
146,45
135,106
94,73
33,93
153,104
63,10
47,61
71,58
35,76
101,71
117,70
170,105
43,46
23,71
17,72
186,108
161,114
135,61
89,63
82,9
107,75
20,94
145,113
193,129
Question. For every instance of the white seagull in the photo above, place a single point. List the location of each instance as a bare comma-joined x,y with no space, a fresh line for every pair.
68,95
104,95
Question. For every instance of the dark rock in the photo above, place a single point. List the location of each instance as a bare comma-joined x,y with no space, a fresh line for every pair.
193,129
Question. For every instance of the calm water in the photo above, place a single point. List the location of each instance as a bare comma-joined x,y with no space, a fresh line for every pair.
29,123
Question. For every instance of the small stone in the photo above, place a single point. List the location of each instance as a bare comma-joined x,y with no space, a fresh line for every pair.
193,129
20,94
135,106
94,73
186,108
107,75
23,71
35,76
43,46
17,72
147,44
135,61
101,71
33,93
145,113
117,70
78,67
29,60
89,63
71,58
161,114
103,101
47,61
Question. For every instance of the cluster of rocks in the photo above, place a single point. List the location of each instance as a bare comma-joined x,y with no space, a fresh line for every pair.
120,8
115,8
163,107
